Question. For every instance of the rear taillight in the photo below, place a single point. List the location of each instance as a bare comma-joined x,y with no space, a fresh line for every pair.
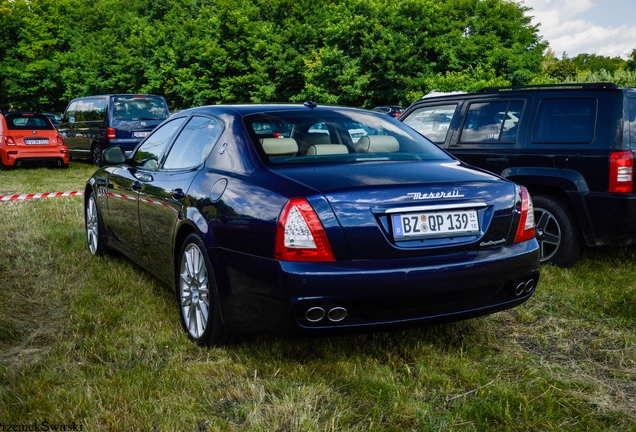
525,230
8,140
111,133
621,173
299,234
59,140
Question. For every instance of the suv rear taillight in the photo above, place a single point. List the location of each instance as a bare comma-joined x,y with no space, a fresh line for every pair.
8,140
111,133
299,234
525,230
621,173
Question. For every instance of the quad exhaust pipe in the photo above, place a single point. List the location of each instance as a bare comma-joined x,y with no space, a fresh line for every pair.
316,314
524,287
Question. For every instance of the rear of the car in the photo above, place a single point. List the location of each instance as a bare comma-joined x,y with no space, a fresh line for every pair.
29,139
396,232
132,117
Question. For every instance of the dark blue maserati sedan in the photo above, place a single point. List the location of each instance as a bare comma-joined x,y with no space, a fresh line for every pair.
311,219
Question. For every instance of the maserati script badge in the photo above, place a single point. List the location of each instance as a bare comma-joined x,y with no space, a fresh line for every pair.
434,195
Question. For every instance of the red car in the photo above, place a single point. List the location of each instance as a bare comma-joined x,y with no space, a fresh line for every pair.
30,139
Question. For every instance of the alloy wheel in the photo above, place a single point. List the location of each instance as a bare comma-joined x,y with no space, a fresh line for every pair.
548,233
92,225
194,292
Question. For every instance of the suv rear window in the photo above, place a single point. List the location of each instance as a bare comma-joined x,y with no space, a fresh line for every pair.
28,122
565,121
139,108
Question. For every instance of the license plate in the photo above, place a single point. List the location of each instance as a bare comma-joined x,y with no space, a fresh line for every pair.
36,141
435,224
140,134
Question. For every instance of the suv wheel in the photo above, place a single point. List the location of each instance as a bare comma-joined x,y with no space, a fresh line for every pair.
97,155
558,232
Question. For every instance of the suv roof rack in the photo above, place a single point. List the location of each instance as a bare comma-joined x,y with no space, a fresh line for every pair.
591,86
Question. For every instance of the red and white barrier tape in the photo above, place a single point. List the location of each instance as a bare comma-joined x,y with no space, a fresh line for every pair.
78,193
39,195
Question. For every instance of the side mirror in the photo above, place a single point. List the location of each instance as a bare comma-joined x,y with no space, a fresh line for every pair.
114,155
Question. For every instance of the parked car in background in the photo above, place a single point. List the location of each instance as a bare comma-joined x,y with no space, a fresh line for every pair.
93,123
255,234
570,145
391,110
55,118
28,139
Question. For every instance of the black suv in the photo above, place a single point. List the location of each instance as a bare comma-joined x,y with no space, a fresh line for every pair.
571,145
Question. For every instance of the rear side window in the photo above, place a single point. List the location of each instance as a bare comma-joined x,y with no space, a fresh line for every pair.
194,143
433,122
565,121
492,122
135,107
28,122
632,120
90,110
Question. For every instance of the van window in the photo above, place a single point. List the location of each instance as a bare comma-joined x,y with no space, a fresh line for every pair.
491,122
632,120
565,121
69,115
90,110
135,107
433,122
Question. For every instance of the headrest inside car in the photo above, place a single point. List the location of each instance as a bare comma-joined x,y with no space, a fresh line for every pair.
279,146
327,149
377,144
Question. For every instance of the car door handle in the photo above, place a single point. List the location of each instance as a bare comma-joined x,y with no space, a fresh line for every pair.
497,160
178,194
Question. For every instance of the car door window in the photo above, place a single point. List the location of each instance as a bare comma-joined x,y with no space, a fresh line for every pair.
70,112
433,122
485,122
90,110
149,153
194,143
565,121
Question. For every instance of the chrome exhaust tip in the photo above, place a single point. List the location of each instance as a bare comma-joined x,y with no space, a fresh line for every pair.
520,288
337,314
315,314
529,285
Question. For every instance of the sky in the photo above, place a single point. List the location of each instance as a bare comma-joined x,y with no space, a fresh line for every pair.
602,27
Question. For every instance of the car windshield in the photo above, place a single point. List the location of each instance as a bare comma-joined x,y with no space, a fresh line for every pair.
139,108
28,122
336,135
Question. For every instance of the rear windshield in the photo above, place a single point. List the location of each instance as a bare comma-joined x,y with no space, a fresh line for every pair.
139,108
337,135
28,122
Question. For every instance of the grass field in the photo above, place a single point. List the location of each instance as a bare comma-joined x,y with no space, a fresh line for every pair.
97,343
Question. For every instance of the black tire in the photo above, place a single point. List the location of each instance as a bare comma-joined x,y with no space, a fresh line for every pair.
558,232
96,155
93,223
197,295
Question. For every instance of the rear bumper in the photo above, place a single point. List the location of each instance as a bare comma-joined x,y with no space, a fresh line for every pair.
20,156
275,296
612,219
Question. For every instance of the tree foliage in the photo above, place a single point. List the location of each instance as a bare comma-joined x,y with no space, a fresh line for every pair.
359,52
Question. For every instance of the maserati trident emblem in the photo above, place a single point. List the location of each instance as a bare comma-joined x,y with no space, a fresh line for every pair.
435,195
143,123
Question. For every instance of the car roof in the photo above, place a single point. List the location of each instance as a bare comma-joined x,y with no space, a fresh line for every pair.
247,109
